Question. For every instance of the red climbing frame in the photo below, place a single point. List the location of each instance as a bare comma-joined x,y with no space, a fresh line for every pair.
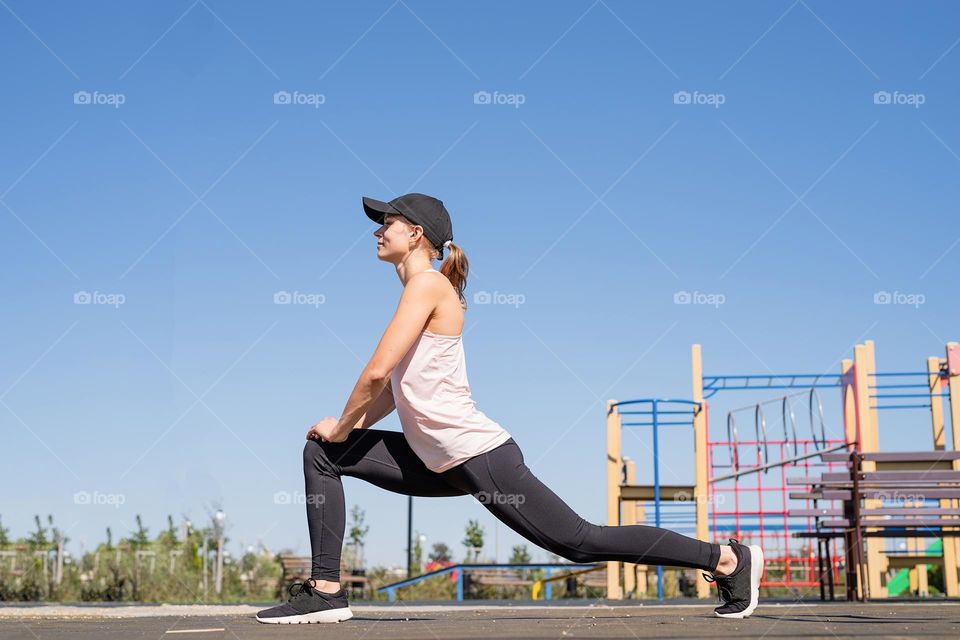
753,506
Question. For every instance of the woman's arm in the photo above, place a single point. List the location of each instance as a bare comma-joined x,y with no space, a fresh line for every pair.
417,303
379,409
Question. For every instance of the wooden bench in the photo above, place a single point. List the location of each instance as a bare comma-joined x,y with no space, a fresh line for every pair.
497,577
298,569
904,476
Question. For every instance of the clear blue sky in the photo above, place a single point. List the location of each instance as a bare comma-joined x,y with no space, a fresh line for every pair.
583,189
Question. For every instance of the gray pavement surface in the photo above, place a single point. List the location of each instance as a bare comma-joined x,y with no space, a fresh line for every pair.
403,620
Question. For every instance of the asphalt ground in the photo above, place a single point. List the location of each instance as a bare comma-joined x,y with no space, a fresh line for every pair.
428,621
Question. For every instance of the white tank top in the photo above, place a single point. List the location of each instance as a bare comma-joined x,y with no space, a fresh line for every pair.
439,418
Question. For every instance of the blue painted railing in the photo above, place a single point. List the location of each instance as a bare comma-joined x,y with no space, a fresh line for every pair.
461,568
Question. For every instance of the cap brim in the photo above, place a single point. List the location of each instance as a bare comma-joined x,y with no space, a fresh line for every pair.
377,209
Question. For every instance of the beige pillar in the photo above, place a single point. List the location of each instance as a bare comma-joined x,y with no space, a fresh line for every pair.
849,402
614,463
863,360
951,546
629,510
936,402
700,490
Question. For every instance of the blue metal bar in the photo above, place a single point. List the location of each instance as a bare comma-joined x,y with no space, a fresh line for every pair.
765,376
910,395
902,406
549,592
649,400
771,386
656,491
462,568
888,374
650,413
674,423
899,386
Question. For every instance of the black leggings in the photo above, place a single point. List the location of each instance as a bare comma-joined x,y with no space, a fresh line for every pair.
499,480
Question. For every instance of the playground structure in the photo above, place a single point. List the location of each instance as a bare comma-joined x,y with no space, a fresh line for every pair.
741,484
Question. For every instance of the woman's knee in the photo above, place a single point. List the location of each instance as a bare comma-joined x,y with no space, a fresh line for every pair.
576,545
316,457
573,554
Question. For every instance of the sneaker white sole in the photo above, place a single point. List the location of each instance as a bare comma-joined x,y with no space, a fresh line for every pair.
317,617
756,572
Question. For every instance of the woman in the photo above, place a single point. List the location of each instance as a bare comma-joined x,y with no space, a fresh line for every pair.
448,447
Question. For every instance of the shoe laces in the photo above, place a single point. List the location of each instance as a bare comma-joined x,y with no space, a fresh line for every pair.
722,582
301,587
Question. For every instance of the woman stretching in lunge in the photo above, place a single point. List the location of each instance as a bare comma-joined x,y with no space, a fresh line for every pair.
450,448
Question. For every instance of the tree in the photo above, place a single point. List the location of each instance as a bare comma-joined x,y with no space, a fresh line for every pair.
520,555
168,537
58,537
140,538
171,530
356,536
417,552
474,539
109,538
4,537
38,539
357,529
439,553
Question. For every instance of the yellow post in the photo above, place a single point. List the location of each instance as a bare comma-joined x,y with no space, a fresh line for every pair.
870,357
630,517
850,415
952,557
923,587
700,489
613,492
863,360
640,516
849,404
936,402
915,546
939,444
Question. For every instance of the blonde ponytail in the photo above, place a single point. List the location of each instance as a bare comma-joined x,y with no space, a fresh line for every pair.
456,268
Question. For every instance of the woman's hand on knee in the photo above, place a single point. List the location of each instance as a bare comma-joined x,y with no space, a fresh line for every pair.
326,431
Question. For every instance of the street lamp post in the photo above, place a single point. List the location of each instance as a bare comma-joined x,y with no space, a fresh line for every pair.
218,520
409,536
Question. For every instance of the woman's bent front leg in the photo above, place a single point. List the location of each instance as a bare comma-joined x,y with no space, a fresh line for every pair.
380,457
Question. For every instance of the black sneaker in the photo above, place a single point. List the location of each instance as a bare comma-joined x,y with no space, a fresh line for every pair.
308,606
740,591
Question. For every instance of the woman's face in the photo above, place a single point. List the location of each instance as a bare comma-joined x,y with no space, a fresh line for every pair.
393,238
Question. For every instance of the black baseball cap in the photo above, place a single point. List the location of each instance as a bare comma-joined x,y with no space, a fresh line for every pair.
424,210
